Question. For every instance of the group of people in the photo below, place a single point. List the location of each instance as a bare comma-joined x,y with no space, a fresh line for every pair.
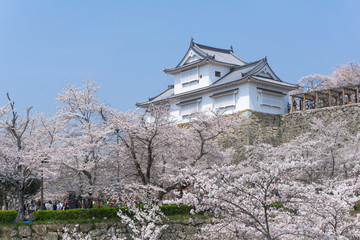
72,202
298,105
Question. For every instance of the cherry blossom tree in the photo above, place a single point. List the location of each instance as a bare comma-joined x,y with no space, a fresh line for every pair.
254,203
298,190
83,139
329,150
19,155
326,214
146,222
345,74
151,150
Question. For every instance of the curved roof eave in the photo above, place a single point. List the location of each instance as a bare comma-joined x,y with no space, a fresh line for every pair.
260,64
169,87
197,48
176,69
281,84
269,82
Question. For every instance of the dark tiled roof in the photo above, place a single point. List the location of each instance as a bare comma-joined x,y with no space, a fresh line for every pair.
218,94
201,46
164,95
269,90
219,54
189,101
225,56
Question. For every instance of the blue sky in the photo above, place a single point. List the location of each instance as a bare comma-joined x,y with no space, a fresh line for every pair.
125,45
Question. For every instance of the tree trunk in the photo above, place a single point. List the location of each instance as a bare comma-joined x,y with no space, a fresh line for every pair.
20,216
333,163
6,203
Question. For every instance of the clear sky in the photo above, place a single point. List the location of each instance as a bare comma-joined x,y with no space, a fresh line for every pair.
125,45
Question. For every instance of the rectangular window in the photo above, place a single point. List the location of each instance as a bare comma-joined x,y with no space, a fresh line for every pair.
189,109
271,100
189,76
217,74
224,101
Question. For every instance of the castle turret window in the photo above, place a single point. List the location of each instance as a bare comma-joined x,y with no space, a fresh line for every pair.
189,76
270,98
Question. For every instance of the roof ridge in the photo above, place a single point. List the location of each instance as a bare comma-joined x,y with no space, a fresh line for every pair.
247,65
262,63
212,48
256,68
233,54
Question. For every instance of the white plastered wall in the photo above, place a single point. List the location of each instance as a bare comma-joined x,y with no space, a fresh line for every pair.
255,99
207,103
207,73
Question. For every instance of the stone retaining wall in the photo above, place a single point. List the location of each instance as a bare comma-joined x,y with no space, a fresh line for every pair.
297,123
276,129
177,229
263,128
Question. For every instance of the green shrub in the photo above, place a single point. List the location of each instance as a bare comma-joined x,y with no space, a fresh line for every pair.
96,213
357,207
8,216
170,210
281,206
101,213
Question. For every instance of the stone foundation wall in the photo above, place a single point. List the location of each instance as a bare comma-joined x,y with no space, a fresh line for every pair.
263,128
177,229
297,123
276,129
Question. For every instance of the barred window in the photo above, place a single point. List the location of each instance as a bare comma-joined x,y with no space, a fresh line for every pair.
189,109
271,100
225,101
189,76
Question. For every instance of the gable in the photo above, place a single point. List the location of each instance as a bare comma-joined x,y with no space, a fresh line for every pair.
266,72
190,57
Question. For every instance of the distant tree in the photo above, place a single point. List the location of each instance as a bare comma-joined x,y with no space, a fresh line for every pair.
343,75
347,74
